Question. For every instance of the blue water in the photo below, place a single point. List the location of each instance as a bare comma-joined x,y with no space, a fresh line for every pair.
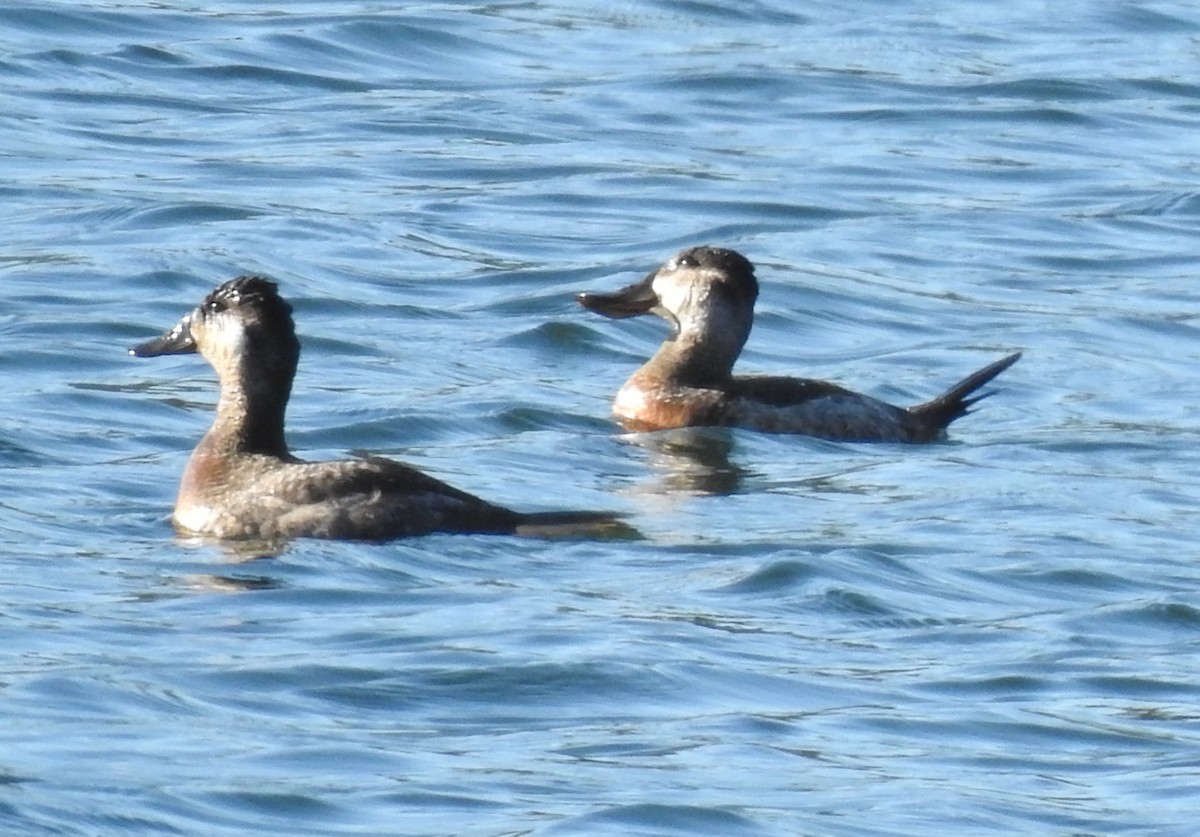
998,635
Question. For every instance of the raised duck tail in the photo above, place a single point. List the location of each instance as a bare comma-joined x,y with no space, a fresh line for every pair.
954,403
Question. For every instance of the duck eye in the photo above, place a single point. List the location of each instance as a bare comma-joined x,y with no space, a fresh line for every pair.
686,261
216,305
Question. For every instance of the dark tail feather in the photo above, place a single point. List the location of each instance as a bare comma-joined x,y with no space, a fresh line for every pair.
574,524
954,403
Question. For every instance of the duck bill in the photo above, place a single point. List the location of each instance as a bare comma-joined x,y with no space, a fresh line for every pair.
177,341
638,298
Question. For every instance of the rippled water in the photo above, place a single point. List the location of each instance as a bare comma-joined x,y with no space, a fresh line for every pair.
993,636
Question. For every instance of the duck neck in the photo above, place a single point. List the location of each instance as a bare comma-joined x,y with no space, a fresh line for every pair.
689,360
250,415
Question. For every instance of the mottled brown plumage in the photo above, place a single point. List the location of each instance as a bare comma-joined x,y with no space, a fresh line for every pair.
707,294
242,482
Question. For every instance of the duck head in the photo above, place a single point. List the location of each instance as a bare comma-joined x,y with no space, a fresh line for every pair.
243,323
707,294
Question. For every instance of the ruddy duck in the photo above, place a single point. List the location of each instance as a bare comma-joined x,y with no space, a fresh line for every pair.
707,295
241,481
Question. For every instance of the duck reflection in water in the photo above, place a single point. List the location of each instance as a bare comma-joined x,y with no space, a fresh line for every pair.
691,460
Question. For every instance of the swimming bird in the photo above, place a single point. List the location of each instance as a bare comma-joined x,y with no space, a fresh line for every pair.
242,482
707,295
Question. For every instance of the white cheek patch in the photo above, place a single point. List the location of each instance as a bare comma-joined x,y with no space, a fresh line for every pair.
223,340
686,304
230,333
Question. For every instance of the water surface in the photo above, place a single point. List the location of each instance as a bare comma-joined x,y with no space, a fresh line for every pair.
992,636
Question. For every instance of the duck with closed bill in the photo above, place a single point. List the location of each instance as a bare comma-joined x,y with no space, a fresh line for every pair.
707,295
242,482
